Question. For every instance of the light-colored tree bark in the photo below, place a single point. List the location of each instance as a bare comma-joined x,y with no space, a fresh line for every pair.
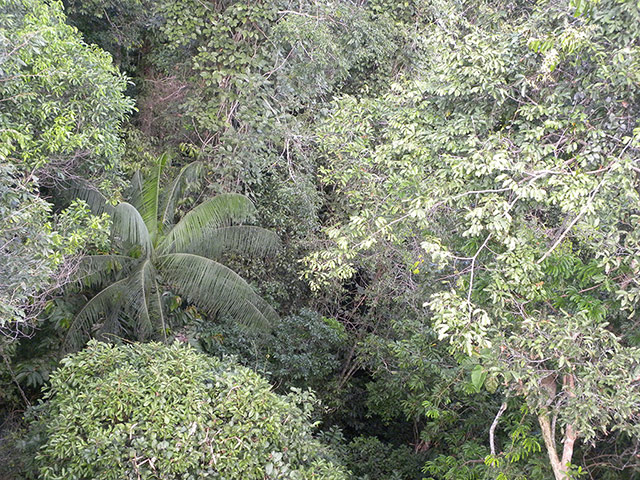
559,464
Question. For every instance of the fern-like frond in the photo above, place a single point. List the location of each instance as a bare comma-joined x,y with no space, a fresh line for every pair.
129,227
127,298
150,196
105,305
83,190
189,174
215,288
112,328
244,239
139,294
134,192
220,211
98,270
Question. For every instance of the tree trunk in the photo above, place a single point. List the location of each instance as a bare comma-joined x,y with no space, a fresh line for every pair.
559,465
570,436
548,435
570,433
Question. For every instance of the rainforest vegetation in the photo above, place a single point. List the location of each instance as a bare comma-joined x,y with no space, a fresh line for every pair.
320,239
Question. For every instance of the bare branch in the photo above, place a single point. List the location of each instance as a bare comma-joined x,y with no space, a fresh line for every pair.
492,430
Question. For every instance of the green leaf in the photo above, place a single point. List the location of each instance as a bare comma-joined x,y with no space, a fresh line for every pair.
244,239
220,211
101,308
215,288
130,228
188,174
478,376
150,198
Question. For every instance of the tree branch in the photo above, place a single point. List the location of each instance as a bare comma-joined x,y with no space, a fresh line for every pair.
573,222
492,430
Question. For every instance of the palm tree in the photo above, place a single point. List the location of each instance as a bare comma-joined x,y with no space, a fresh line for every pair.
154,252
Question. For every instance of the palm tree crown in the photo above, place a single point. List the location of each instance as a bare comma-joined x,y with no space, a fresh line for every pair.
182,256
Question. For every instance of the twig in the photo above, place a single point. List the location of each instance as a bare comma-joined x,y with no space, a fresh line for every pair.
15,380
473,268
573,222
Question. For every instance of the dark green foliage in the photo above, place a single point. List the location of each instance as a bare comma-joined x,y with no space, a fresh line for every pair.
505,172
302,350
236,84
155,255
117,26
62,99
459,178
61,106
152,411
368,458
29,266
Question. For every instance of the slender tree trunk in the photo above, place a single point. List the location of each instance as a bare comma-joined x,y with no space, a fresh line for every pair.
548,435
570,436
570,433
558,464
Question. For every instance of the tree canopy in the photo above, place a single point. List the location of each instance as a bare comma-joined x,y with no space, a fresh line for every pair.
62,105
156,411
152,249
453,186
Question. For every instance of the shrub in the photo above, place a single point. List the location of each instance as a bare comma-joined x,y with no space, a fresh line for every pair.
150,411
303,349
369,458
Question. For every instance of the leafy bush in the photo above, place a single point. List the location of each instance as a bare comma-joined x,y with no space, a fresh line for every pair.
302,351
153,411
370,458
62,106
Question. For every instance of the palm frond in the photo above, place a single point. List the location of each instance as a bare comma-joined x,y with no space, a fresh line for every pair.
140,286
215,288
134,192
220,211
157,311
189,174
129,227
96,270
113,327
104,305
129,297
98,203
245,239
149,201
